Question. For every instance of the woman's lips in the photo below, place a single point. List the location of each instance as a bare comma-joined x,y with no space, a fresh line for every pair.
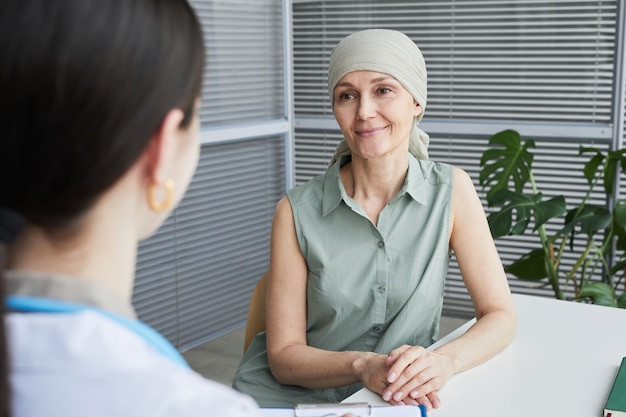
370,132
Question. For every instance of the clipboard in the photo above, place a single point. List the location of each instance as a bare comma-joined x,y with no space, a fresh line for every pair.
338,410
319,410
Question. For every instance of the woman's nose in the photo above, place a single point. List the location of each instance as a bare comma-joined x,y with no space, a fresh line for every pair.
367,108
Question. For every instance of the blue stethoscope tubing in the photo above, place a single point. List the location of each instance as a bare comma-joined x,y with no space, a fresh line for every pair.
44,305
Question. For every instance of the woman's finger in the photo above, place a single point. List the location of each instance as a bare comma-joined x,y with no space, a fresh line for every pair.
401,359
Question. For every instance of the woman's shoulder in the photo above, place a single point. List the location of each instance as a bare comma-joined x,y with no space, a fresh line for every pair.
442,170
435,172
308,192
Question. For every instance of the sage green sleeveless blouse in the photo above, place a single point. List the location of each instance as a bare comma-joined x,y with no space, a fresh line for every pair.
370,288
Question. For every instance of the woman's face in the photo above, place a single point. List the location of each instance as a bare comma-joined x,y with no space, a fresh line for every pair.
375,113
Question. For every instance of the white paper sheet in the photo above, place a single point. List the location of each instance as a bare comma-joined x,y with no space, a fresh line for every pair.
360,410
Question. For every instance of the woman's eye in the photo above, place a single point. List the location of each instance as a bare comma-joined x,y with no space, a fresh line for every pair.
384,90
346,96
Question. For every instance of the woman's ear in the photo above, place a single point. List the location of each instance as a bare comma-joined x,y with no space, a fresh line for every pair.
161,149
418,110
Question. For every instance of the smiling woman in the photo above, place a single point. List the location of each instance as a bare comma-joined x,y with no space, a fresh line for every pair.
359,255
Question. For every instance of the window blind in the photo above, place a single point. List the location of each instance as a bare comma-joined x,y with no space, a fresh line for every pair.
516,60
546,67
196,274
621,276
243,81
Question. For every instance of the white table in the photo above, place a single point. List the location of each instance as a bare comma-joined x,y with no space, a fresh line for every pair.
561,363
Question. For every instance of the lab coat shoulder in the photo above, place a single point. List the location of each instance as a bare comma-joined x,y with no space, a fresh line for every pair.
86,364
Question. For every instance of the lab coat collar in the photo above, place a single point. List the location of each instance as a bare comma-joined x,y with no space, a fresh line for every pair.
68,289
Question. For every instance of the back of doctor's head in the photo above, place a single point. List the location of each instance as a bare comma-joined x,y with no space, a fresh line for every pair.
83,85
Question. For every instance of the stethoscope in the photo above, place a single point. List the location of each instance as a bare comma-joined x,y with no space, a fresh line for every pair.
45,305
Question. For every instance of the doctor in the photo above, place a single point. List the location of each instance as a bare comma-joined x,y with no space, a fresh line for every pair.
98,142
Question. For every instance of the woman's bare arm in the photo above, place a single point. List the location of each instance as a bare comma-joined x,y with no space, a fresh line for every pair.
416,372
291,361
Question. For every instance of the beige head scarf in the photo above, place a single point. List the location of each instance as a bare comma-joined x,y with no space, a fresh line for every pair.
390,52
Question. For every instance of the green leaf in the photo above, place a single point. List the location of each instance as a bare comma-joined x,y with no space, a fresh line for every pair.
588,219
517,210
619,224
508,160
619,212
500,223
621,300
530,267
623,160
516,205
600,293
609,176
546,210
609,164
591,167
610,170
618,266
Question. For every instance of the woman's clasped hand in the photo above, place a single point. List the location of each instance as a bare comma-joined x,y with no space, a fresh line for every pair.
416,374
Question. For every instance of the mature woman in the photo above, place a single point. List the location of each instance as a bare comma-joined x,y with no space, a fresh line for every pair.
98,142
359,255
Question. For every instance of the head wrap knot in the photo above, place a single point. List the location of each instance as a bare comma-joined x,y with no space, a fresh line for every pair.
389,52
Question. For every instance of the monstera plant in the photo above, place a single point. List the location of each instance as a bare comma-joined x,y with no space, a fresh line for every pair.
594,234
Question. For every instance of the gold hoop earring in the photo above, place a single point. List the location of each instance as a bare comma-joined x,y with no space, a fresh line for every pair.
168,196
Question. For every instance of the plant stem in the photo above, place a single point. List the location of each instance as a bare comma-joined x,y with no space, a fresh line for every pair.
553,276
579,262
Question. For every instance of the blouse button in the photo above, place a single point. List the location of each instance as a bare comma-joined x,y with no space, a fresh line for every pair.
381,244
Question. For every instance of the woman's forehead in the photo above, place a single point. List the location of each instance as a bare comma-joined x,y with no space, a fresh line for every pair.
366,76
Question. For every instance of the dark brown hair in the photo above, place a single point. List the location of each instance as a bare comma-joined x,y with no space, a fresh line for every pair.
83,86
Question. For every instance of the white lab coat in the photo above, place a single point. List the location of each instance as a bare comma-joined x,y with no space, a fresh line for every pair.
85,364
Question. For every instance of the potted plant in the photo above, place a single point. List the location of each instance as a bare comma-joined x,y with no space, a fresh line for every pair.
597,275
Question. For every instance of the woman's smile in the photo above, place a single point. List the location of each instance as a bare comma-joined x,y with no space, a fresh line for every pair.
370,132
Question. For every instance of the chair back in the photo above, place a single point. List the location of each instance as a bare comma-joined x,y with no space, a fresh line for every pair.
256,311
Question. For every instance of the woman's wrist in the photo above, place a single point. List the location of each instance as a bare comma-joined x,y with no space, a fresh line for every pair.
451,360
363,362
